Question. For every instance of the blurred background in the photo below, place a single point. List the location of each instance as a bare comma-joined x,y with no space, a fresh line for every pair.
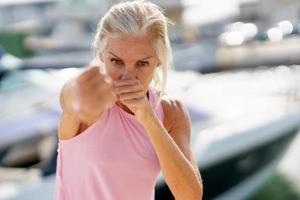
236,67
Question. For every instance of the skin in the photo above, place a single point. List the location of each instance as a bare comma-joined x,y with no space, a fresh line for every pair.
130,63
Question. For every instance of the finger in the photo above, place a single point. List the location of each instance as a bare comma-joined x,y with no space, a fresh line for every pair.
132,95
133,102
128,89
126,82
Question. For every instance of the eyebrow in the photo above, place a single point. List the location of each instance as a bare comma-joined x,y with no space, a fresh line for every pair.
139,60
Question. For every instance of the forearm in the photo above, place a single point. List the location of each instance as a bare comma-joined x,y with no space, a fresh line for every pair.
181,176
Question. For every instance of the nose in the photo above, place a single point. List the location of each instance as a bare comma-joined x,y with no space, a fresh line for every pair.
127,75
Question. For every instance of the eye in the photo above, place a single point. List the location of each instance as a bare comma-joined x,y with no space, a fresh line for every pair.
115,61
143,63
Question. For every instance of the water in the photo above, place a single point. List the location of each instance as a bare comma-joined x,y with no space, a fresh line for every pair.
285,183
279,187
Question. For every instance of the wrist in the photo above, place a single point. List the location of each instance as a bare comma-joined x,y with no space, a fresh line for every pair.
149,118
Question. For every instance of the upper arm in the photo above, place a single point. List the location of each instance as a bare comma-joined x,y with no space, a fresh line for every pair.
66,95
69,123
177,122
68,126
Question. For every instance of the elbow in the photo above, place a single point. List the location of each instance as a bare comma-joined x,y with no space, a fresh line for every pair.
194,192
197,193
200,192
200,189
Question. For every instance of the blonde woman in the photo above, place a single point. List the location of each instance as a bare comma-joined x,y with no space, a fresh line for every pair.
117,131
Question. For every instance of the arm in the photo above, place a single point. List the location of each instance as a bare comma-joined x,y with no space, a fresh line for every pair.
172,144
69,121
172,147
91,93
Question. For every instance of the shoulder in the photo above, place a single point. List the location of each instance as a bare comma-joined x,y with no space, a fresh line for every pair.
173,105
175,114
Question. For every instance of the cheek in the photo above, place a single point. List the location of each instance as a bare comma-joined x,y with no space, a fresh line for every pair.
146,77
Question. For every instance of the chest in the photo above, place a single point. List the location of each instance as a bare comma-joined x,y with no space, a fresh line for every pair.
120,142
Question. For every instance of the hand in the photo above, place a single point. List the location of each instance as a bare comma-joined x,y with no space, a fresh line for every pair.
94,92
133,95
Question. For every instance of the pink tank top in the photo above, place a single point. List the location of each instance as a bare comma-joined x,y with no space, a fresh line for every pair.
113,159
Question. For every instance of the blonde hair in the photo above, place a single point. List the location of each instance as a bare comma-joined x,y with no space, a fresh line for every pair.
134,18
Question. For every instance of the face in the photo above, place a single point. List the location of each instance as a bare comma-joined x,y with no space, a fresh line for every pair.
128,57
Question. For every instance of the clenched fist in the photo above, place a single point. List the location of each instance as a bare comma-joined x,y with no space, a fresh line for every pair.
94,92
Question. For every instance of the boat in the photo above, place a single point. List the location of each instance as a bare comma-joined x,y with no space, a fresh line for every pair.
242,124
29,117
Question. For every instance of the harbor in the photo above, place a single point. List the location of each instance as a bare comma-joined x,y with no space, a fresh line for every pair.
235,67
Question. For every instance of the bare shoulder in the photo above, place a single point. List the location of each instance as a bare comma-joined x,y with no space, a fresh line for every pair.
178,125
175,114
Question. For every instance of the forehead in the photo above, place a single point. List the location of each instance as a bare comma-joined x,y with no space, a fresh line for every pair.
131,47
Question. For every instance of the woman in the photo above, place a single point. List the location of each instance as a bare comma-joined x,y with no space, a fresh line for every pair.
116,131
